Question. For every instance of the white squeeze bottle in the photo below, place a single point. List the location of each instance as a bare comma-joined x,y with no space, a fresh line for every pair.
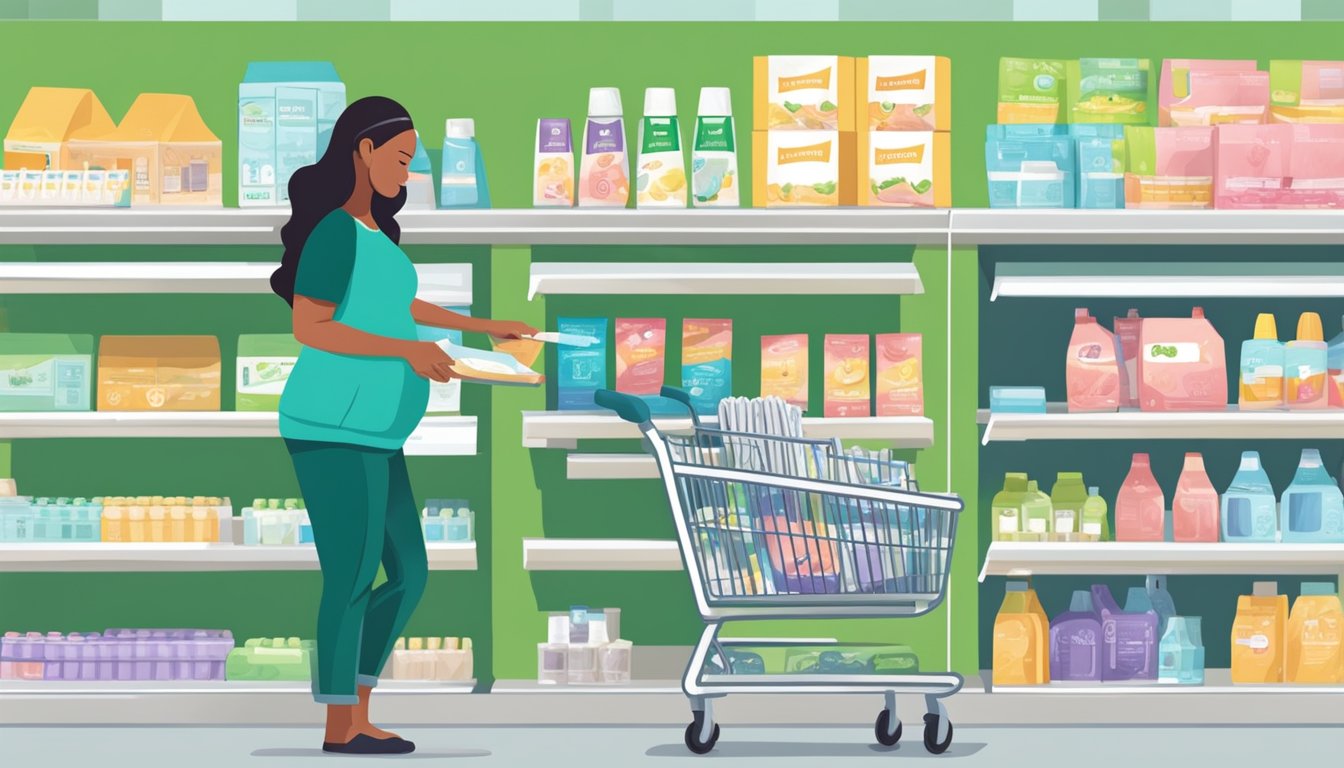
714,152
660,180
603,180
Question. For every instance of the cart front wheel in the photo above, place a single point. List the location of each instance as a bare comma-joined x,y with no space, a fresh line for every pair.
931,743
885,736
694,743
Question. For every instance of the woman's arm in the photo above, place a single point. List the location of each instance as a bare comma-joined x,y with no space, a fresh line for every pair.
433,315
315,326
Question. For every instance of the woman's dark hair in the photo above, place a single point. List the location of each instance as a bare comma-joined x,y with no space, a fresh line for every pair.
318,189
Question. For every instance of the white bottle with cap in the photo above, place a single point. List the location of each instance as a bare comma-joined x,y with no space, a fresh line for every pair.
714,182
603,178
660,171
462,182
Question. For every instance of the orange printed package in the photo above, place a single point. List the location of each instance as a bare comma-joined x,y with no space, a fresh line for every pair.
158,373
848,386
900,374
803,168
1260,635
904,93
784,368
803,93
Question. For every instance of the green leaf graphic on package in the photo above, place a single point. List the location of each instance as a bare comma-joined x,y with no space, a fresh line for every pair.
270,371
827,106
898,190
1162,350
789,105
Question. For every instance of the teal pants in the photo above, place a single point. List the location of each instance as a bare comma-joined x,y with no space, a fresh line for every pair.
363,513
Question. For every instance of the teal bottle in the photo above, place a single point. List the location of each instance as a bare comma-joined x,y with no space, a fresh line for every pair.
1312,509
1250,513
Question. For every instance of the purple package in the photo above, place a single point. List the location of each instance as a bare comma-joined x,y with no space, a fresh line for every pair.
1075,642
1129,640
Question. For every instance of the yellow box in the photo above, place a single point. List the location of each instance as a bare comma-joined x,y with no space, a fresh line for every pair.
803,93
47,119
802,168
158,373
905,169
903,93
173,157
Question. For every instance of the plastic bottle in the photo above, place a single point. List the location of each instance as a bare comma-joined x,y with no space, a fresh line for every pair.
462,184
714,181
1183,365
419,180
435,528
1316,636
1006,508
1129,639
1194,510
1037,511
553,180
1075,641
1096,518
603,179
1020,634
1194,627
1140,507
1178,655
1334,360
1092,369
1312,508
1127,331
1155,588
1262,359
1249,509
1305,365
1260,635
1068,498
251,524
661,166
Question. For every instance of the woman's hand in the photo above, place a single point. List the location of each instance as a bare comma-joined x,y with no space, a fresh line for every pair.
428,360
510,329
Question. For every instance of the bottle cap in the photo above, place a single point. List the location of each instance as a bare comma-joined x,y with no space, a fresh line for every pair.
1081,602
1081,315
1197,313
1033,486
1309,327
1265,327
460,128
1093,490
1133,313
660,102
1318,588
715,102
1016,586
1265,589
604,102
1250,460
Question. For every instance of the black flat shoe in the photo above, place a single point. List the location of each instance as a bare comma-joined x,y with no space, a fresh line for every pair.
364,744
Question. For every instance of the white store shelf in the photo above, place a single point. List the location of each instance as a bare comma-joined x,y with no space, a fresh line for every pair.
1146,227
1232,424
610,466
1173,280
1119,558
515,687
702,278
600,555
1217,682
563,429
170,557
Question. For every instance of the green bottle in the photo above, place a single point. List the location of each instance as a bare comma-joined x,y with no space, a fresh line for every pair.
1037,513
1095,520
1007,507
1068,497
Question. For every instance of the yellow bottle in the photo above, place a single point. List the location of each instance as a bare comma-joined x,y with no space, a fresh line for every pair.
157,517
1260,635
1316,636
135,523
1021,631
114,521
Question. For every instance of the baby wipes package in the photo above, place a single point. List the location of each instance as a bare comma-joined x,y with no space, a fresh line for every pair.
848,390
1168,167
707,362
264,363
1182,365
900,374
46,121
784,368
1202,92
286,111
445,397
805,93
905,169
1279,166
553,176
581,371
802,168
158,373
641,347
480,366
45,372
1101,164
1031,166
1114,91
904,93
1031,91
1306,91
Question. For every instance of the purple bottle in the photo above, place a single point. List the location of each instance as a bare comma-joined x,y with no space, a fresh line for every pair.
1129,640
1075,642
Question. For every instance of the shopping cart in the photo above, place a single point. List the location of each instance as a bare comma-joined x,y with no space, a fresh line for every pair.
790,528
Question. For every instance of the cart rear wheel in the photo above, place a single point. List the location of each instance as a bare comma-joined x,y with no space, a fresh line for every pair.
931,742
694,743
885,736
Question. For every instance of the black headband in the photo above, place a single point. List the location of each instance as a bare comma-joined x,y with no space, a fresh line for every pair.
389,121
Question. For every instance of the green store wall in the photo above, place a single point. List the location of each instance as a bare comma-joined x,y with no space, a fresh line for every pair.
506,75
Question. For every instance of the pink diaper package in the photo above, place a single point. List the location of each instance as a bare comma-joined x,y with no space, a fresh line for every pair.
1212,92
1279,166
1182,365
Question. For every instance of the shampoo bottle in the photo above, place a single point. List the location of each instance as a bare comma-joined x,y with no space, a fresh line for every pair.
661,166
714,152
1262,361
462,183
1194,510
603,180
1305,363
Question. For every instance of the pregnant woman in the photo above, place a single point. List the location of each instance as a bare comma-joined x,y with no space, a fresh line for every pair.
358,390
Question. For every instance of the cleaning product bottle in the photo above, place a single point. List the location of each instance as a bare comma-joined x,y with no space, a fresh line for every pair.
1006,508
1140,508
1092,370
1194,510
1262,359
1037,512
1312,508
714,153
1020,633
1127,330
1177,655
1183,365
1068,498
462,182
603,179
661,167
1129,650
1155,589
1260,635
1096,518
1316,636
1194,627
1334,361
1249,509
1075,641
1305,364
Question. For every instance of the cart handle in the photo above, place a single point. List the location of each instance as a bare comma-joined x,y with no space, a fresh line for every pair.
683,397
628,407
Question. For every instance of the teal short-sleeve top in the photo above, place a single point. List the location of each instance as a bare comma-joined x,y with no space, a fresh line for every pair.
369,401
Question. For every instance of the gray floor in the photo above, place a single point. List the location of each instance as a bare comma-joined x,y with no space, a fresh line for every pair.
742,746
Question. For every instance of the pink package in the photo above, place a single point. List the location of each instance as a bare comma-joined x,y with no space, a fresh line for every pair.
848,389
1182,366
900,374
1279,166
641,346
1212,92
1127,331
1168,167
1093,368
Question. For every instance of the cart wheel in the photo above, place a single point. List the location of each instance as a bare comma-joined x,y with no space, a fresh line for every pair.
881,729
694,743
931,735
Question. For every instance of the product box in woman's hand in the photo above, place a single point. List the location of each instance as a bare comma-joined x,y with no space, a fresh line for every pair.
158,373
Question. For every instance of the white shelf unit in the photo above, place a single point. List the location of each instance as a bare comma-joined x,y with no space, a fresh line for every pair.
717,278
1232,424
600,555
533,687
1017,558
1145,227
173,557
1217,682
563,429
1167,280
610,466
436,435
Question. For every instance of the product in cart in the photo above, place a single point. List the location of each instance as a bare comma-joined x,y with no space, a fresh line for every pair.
1260,635
603,178
1180,653
784,368
286,112
1306,363
803,168
1007,507
1279,166
1021,631
1076,642
1031,166
848,390
900,374
581,370
1306,91
1093,368
1140,507
45,372
714,182
272,658
47,120
1335,367
1195,515
1312,507
807,93
264,363
707,362
1262,367
905,169
462,181
1101,165
660,168
1128,330
158,373
1208,92
1182,365
1316,636
1067,499
904,93
1031,91
1113,91
1168,167
1249,508
553,176
1129,637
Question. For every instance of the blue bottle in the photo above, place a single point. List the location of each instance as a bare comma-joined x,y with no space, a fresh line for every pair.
462,182
1180,659
1159,600
1250,511
1312,509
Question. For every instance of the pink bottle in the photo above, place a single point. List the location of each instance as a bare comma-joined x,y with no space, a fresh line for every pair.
1140,508
1092,371
1195,512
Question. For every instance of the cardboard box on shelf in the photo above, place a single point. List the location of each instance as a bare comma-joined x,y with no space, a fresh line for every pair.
286,111
803,93
158,373
803,168
46,121
905,169
45,371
